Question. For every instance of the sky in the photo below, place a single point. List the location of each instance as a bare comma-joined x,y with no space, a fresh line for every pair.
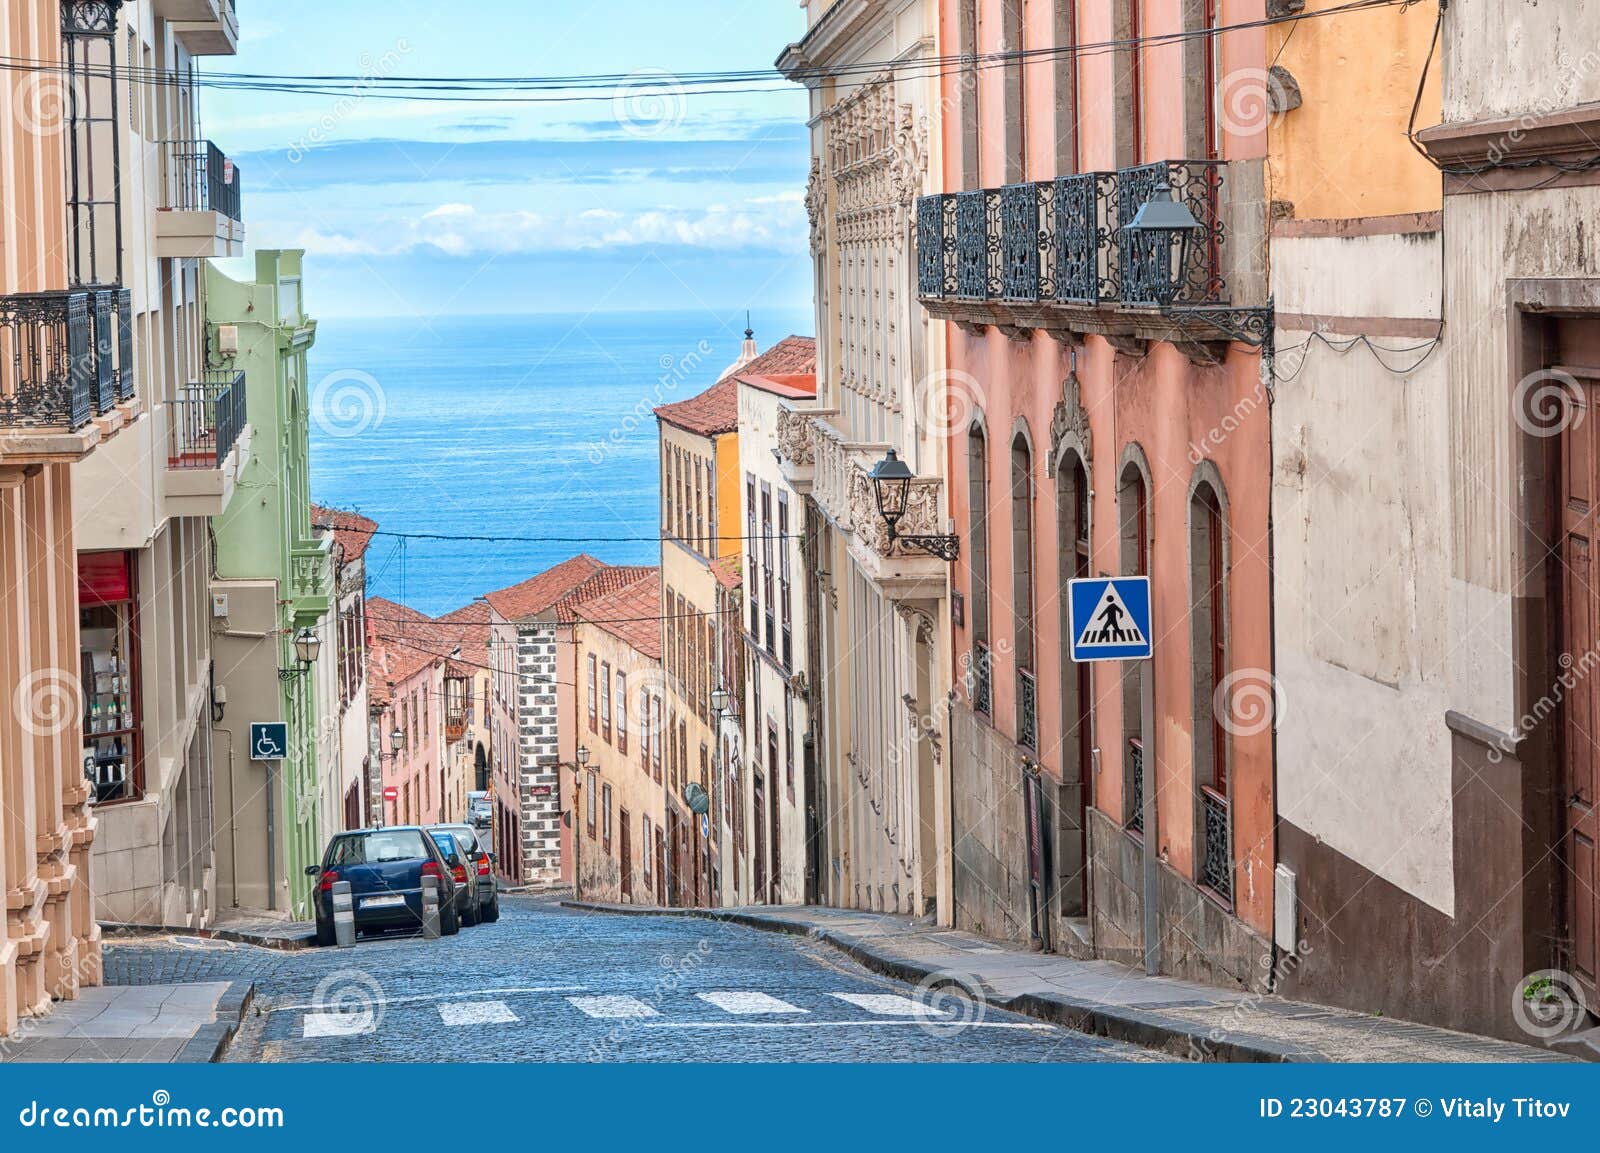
628,202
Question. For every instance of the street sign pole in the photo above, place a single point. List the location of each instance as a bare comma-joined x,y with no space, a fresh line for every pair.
1152,879
1111,621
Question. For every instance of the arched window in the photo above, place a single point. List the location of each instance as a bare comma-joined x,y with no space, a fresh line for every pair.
1133,509
1208,660
1077,729
1022,590
978,564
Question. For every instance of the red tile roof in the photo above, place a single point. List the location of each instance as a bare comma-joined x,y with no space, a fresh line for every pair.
716,410
728,571
631,613
607,580
538,593
400,643
352,531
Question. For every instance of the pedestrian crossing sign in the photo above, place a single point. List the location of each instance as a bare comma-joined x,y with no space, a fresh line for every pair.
1110,618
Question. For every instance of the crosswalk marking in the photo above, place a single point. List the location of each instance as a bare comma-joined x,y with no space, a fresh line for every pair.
615,1005
743,1001
339,1024
887,1004
477,1013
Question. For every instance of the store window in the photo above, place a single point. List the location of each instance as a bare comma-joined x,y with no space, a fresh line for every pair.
108,620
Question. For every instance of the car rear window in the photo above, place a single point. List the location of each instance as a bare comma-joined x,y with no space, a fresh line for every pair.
378,847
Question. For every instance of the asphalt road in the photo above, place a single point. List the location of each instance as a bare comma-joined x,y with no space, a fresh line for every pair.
550,984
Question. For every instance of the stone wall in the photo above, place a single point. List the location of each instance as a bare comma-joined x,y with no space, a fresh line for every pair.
1200,940
988,830
538,753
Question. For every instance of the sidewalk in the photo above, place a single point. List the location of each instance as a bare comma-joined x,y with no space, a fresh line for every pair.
1190,1020
191,1023
258,927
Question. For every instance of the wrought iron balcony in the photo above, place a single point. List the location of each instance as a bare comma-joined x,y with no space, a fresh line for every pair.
1216,859
206,421
66,357
1135,820
1027,710
200,205
1053,253
981,680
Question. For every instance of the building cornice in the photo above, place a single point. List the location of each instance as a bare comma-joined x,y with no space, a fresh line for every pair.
1513,153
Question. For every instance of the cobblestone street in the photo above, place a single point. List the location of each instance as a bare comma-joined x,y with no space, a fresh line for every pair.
551,984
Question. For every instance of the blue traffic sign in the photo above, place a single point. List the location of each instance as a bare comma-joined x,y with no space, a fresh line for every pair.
1110,619
269,740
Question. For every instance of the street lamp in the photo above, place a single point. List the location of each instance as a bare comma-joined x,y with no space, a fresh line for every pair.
1158,241
307,645
891,482
397,740
578,800
583,755
719,700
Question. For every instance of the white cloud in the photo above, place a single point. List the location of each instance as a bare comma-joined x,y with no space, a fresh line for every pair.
767,223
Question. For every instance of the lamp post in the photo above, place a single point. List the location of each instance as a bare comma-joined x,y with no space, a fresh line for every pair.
891,483
307,645
1160,237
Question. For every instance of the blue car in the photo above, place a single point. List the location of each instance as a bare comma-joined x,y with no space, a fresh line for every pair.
385,868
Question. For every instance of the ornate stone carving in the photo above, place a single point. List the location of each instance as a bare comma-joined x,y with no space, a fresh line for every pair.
794,437
817,207
1070,425
921,516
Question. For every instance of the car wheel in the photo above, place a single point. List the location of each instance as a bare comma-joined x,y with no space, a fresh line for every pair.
492,913
469,915
449,921
325,936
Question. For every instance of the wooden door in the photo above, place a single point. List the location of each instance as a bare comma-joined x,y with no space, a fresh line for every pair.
758,844
661,867
1580,641
626,848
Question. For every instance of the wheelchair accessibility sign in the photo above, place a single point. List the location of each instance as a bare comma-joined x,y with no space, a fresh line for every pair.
1110,618
269,740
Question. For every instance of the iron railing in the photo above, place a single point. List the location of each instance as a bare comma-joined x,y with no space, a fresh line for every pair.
1197,184
1027,710
199,178
1216,859
49,367
1135,819
206,421
982,680
1061,241
127,379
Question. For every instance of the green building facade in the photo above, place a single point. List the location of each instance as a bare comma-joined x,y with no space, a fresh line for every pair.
273,578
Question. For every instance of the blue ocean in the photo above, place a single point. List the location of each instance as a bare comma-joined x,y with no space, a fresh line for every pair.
505,426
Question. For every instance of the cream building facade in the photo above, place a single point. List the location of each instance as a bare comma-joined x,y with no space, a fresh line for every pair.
878,664
142,507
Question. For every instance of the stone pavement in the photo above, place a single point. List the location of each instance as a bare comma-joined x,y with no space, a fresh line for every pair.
191,1022
1184,1018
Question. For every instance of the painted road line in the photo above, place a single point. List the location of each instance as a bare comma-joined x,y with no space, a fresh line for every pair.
339,1024
477,1013
888,1005
450,995
615,1005
741,1001
944,1028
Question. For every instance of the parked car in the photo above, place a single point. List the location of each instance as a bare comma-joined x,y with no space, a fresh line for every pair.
480,810
480,873
385,868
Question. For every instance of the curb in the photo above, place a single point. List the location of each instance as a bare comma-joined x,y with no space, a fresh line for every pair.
1139,1027
284,942
210,1042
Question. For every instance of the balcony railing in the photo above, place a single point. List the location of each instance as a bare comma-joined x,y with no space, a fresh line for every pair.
206,420
1061,241
1216,860
1027,710
49,365
199,178
1135,820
